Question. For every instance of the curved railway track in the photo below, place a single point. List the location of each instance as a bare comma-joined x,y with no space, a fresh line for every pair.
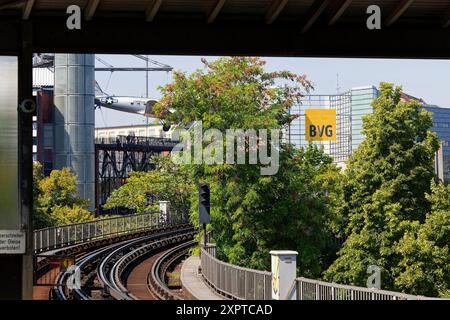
111,266
157,277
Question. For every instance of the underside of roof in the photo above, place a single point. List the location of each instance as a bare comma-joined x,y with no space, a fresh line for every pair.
316,28
304,14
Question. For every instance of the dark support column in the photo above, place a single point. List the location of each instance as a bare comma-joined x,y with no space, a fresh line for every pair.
10,277
26,156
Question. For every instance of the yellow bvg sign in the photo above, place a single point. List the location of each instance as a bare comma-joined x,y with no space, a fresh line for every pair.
320,124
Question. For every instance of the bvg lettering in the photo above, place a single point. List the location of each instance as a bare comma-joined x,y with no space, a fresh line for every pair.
320,130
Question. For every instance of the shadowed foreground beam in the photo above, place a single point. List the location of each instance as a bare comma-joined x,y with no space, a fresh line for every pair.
313,13
90,9
9,3
275,9
338,9
152,10
237,38
398,11
27,9
215,11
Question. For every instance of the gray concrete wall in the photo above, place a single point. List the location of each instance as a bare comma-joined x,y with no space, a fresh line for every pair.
74,119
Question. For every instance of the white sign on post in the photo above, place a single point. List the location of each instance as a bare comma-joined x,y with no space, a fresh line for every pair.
12,242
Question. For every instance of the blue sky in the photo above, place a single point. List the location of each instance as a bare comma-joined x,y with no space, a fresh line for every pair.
427,79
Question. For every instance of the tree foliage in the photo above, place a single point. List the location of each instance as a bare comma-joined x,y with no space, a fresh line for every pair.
384,189
232,93
425,249
253,214
382,205
55,200
288,210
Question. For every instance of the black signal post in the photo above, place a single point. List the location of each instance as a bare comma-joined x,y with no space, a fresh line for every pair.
204,206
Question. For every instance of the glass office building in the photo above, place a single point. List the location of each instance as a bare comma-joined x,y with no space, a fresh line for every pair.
361,105
351,107
340,149
441,125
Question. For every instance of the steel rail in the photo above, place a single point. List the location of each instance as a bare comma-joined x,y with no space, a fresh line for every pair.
97,256
111,268
156,282
119,271
83,263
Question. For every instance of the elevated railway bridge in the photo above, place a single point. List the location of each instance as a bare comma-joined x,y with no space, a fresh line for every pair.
147,257
116,157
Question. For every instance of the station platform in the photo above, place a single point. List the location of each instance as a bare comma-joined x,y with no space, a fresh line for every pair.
193,283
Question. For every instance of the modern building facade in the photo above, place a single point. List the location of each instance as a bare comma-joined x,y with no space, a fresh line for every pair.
441,125
351,107
340,149
361,105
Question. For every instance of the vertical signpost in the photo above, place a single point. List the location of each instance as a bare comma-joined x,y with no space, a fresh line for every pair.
204,207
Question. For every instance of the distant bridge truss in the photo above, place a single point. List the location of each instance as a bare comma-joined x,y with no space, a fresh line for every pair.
117,157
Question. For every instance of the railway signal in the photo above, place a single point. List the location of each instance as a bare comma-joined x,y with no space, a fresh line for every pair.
204,206
204,203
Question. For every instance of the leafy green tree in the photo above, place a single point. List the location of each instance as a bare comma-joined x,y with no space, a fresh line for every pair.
40,219
70,214
425,249
169,183
55,200
384,188
288,210
252,214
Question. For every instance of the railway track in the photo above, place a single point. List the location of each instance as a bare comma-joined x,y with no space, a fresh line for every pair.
157,277
110,266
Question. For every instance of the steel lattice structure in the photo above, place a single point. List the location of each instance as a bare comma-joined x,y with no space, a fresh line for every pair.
340,149
117,157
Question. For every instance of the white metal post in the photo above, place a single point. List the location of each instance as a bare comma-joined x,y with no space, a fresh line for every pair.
284,272
164,209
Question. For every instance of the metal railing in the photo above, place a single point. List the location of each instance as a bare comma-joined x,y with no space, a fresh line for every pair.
308,289
243,283
233,281
134,140
62,236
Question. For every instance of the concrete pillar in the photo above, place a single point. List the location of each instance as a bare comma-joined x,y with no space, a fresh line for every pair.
284,272
74,119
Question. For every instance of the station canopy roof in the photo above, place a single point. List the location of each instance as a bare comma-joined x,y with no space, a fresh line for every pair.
302,13
410,28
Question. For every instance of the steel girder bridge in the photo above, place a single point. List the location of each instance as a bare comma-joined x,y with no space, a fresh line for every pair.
116,157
